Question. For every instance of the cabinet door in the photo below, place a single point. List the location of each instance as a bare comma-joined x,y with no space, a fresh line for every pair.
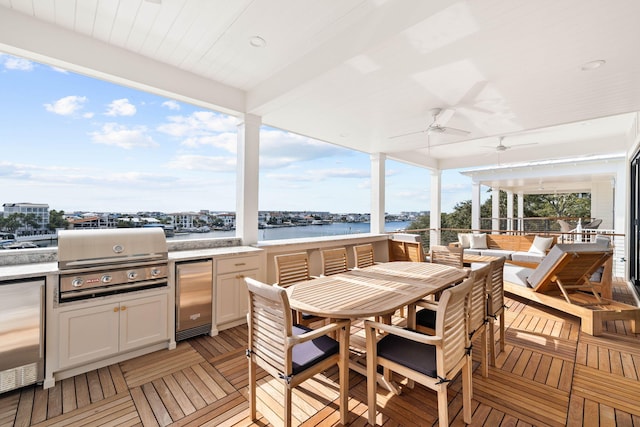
88,334
143,321
232,300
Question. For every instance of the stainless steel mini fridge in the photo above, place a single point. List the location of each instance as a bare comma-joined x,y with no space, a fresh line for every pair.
194,291
21,333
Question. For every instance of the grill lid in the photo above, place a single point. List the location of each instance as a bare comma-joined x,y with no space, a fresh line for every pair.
85,248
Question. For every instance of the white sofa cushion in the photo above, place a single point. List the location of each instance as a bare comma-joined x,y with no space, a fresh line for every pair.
496,252
527,257
517,275
478,241
464,239
472,252
540,245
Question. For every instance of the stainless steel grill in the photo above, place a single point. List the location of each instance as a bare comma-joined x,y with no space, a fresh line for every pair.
95,263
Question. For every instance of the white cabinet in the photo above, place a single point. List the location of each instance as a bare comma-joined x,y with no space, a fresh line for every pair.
231,291
93,333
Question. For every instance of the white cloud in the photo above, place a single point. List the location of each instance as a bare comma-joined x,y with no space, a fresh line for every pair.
200,122
123,137
67,106
279,149
121,107
172,105
14,63
226,140
204,163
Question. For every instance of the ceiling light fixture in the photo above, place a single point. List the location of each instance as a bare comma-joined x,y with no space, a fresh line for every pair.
593,65
257,41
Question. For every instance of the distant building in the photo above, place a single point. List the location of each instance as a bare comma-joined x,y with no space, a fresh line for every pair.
38,210
228,219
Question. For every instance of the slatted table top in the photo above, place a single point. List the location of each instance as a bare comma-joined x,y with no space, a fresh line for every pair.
377,290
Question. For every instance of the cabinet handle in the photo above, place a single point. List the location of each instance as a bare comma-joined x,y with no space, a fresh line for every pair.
240,276
116,309
240,264
123,308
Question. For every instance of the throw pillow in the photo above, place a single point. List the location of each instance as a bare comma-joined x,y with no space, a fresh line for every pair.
464,240
540,245
478,241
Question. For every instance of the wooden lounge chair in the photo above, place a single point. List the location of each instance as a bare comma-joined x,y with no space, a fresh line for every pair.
564,281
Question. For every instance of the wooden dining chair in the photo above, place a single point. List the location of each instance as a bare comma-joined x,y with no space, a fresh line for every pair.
405,251
334,261
495,306
291,353
291,269
426,318
363,255
446,255
433,361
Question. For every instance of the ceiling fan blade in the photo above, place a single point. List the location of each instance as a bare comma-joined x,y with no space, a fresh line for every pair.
522,145
456,131
444,116
408,134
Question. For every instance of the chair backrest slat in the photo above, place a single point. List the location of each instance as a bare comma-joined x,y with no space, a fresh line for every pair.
334,261
478,306
495,289
269,326
452,326
363,255
451,256
292,268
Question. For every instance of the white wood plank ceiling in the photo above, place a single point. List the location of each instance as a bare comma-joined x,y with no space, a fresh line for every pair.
359,72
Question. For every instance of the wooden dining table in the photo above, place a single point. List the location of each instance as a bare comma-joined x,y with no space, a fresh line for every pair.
378,290
375,291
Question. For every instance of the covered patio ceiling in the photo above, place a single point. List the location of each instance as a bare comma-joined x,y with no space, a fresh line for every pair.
361,74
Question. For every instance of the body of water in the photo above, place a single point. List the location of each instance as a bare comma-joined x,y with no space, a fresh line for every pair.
334,229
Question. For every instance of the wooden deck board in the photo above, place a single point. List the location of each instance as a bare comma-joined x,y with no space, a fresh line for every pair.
549,374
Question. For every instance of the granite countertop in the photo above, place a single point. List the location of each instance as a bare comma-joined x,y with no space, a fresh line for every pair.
210,252
26,271
40,269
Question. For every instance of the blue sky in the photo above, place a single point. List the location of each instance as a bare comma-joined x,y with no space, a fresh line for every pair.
81,144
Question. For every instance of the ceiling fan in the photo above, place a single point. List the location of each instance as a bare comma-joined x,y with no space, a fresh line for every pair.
437,125
501,147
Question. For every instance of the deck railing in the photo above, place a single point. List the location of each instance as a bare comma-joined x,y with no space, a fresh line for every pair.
450,235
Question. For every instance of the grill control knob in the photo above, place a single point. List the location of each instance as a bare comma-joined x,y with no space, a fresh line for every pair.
77,282
155,272
132,275
106,278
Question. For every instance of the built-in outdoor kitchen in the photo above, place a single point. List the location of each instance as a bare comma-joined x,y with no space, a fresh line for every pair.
105,296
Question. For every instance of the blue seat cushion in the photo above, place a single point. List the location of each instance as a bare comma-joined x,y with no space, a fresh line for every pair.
426,318
309,353
414,355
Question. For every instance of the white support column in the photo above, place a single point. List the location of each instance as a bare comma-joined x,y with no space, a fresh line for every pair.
520,211
495,208
475,206
377,192
436,207
247,182
510,210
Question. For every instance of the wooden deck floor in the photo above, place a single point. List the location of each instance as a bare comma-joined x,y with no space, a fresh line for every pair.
550,374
